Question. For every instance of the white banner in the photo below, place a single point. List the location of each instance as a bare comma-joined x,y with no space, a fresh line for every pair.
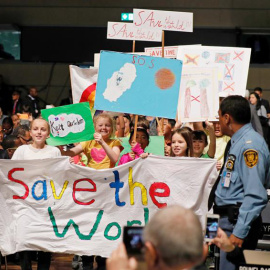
164,20
56,206
127,31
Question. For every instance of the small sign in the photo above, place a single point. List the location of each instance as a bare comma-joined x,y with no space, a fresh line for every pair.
126,17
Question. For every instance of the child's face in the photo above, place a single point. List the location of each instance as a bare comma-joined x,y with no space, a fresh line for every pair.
198,146
179,145
141,138
16,120
217,128
39,131
104,127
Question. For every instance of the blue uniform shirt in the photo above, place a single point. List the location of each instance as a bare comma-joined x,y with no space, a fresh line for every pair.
246,182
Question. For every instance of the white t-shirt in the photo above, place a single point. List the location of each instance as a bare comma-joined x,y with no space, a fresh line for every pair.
27,151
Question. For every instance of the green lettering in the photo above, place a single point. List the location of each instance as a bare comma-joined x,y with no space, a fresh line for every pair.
76,227
109,226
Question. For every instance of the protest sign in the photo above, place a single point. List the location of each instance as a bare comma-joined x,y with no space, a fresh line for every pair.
198,98
232,64
127,31
138,84
169,51
69,124
83,84
164,20
55,206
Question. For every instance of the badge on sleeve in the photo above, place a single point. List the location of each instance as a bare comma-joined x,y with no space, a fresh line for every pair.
251,157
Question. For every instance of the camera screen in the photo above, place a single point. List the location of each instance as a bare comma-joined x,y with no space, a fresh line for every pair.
211,228
133,240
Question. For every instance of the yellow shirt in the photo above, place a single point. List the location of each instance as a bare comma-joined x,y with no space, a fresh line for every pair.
97,157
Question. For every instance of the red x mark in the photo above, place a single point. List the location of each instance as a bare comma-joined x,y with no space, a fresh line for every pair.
191,59
228,72
229,86
238,55
195,98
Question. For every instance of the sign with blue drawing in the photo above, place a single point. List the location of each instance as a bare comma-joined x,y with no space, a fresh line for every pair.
69,124
138,84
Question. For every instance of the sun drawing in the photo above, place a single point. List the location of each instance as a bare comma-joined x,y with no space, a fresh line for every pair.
164,78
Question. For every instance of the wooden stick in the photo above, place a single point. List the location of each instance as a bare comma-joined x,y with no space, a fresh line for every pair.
135,128
163,41
133,46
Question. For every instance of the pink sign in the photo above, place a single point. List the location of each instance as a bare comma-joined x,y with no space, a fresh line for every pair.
127,31
164,20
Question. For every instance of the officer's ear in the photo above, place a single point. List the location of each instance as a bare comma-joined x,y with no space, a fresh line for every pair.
227,118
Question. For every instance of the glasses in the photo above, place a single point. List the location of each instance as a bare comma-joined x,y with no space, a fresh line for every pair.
13,148
6,129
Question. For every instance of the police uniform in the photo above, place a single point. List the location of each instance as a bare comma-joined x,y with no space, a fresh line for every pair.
241,192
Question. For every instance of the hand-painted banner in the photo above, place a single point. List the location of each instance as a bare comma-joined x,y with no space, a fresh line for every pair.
164,20
83,84
232,64
198,98
52,205
69,124
127,31
138,84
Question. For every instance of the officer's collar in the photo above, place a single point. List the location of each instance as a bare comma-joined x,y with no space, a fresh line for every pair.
240,133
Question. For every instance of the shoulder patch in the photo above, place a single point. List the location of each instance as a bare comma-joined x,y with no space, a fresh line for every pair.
251,157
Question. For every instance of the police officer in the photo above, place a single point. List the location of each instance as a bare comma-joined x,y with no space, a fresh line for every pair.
241,191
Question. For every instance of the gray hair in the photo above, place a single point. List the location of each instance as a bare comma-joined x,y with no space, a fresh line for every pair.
176,233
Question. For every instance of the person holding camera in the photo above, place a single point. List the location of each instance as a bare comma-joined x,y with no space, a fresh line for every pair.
173,240
240,194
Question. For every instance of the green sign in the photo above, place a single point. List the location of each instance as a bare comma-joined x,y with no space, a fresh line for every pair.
126,16
69,124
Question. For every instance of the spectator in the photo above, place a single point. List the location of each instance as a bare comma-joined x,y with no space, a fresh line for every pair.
32,101
10,144
7,126
23,134
173,240
2,116
17,102
264,102
16,120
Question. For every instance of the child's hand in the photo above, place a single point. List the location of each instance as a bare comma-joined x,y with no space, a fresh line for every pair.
133,143
98,138
132,155
144,155
167,150
71,160
210,127
218,165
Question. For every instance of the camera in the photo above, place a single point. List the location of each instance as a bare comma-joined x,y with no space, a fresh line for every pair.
133,240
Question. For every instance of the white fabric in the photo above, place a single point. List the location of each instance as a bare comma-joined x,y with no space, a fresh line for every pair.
29,152
50,215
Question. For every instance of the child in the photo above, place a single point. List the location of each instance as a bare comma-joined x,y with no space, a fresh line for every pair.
137,147
200,142
182,143
39,132
102,152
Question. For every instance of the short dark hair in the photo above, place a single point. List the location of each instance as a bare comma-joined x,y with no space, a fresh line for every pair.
138,130
8,120
9,142
199,135
258,89
237,107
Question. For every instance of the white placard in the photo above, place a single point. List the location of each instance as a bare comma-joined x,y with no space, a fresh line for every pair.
232,64
127,31
164,20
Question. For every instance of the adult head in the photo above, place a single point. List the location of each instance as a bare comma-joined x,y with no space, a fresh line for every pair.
234,112
23,134
16,95
258,90
254,99
11,143
16,120
33,92
173,239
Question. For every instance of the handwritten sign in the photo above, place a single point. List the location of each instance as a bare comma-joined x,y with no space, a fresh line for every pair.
55,206
164,20
138,84
69,124
169,51
127,31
